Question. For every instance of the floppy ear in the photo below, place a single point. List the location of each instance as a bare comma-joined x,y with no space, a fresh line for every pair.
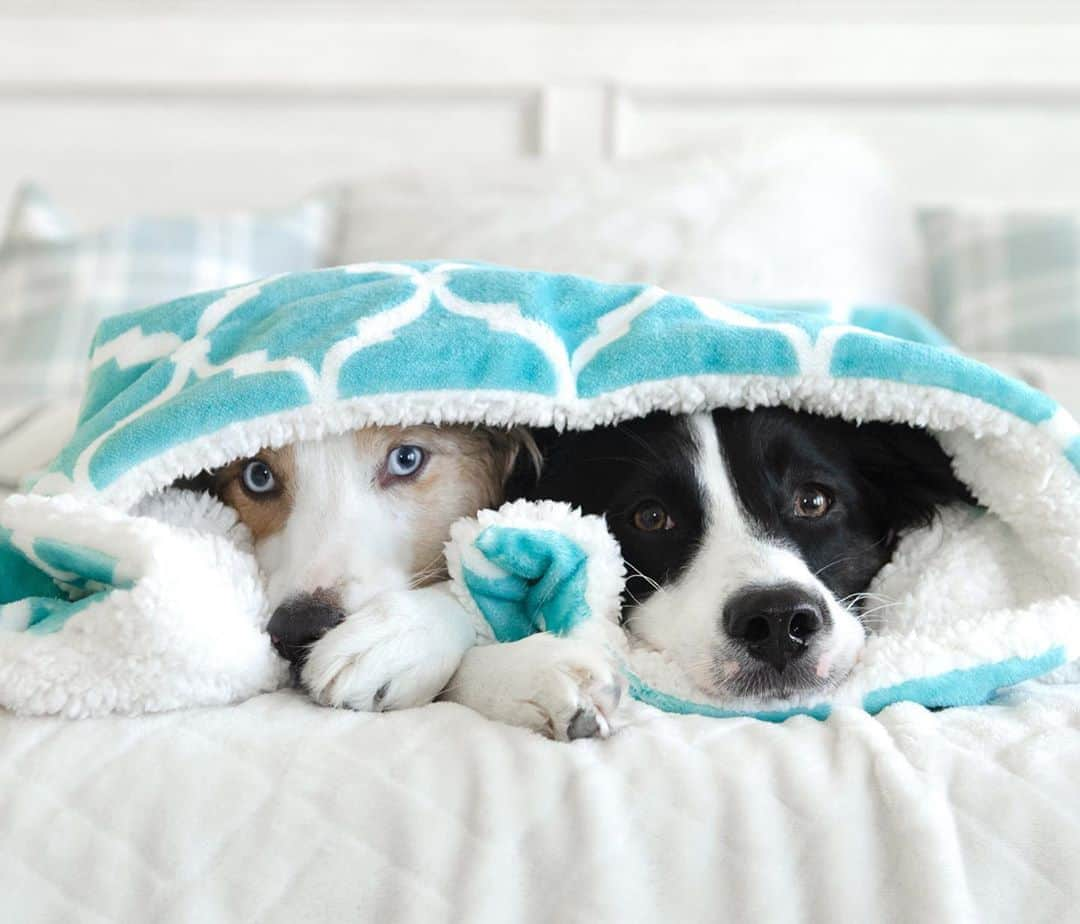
913,475
529,460
518,455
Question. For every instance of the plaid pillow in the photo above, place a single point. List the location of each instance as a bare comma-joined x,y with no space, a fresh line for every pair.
1005,280
55,285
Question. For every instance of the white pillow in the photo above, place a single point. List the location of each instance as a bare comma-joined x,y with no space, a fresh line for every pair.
31,434
811,217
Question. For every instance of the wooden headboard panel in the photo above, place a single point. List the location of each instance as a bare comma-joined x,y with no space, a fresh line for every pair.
121,105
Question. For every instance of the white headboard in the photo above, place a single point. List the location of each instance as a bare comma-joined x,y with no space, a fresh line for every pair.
120,105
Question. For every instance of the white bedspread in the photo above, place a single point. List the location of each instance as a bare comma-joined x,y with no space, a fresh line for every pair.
280,810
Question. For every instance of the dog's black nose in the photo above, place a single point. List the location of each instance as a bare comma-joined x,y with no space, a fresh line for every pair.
300,622
774,624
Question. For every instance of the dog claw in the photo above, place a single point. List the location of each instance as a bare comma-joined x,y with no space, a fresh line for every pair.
583,724
380,696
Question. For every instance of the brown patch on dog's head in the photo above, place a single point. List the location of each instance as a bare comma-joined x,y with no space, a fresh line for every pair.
465,469
264,514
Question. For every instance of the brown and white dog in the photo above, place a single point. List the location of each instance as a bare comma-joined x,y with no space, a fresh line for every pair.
349,533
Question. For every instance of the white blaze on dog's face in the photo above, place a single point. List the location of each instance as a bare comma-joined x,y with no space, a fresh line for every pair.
750,536
348,517
692,617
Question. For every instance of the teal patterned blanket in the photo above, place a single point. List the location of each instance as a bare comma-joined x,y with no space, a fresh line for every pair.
105,606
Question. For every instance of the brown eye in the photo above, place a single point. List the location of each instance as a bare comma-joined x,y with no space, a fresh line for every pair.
812,501
651,517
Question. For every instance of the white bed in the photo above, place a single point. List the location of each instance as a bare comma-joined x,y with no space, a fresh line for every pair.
278,810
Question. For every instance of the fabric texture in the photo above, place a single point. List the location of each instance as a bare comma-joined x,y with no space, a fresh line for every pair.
213,377
56,284
279,810
773,217
1005,281
1058,376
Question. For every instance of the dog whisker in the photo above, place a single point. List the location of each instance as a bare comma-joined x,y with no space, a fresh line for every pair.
636,572
879,607
857,554
433,570
865,595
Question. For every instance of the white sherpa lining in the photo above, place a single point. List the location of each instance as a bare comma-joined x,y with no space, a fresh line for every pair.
168,641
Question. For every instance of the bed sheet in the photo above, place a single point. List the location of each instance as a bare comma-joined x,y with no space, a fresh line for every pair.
280,810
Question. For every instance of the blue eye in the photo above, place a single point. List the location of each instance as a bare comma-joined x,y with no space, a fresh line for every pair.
258,477
404,461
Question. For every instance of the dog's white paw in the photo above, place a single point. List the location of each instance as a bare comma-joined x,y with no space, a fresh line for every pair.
397,651
564,688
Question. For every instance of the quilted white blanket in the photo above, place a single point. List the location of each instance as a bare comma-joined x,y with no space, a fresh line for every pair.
279,810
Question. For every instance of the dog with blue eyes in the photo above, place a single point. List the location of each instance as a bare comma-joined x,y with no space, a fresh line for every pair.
349,531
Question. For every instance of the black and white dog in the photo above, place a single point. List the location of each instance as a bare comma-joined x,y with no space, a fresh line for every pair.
749,537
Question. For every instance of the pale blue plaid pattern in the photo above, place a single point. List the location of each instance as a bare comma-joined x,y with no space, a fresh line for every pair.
1005,281
55,286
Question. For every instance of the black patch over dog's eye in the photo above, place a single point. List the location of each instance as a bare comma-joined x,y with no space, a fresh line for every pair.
812,501
651,517
258,478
